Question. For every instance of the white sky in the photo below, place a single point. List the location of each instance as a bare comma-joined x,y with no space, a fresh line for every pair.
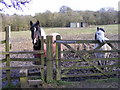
37,6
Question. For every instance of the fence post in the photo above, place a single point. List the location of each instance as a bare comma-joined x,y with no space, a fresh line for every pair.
58,56
42,59
7,47
49,59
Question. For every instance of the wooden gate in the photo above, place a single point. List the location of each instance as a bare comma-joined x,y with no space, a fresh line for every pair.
86,63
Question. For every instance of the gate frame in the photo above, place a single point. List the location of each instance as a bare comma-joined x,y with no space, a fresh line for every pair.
64,42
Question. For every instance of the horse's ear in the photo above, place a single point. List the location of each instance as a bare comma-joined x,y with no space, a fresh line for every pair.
31,23
97,28
37,23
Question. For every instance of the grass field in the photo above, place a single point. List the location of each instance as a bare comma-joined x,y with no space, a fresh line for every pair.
87,30
110,29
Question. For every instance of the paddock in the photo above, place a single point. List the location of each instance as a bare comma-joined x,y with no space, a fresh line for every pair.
62,72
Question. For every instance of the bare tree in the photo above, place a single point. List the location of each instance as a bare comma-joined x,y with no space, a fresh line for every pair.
64,9
17,4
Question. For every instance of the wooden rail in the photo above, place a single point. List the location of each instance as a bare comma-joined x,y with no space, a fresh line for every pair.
2,42
84,41
22,52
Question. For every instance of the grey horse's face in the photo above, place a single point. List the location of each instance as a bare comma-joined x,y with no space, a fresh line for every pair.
99,35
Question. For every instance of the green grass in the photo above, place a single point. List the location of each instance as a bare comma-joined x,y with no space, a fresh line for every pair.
17,34
110,29
59,83
103,80
94,83
70,31
86,30
89,83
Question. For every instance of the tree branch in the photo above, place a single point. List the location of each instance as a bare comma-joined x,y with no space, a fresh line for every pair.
17,4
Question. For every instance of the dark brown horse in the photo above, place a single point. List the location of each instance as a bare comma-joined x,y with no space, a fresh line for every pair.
36,33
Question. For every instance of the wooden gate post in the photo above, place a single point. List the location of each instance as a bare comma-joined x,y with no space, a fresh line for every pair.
58,56
49,59
7,49
42,59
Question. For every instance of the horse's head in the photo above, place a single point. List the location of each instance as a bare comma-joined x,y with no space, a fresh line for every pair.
35,35
99,35
100,29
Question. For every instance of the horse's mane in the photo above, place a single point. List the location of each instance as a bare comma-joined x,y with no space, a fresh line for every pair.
43,33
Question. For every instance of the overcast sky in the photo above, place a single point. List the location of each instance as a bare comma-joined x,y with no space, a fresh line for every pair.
37,6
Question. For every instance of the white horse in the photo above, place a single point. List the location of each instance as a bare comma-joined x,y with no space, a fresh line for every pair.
99,35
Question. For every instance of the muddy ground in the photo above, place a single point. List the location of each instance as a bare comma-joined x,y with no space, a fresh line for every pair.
20,44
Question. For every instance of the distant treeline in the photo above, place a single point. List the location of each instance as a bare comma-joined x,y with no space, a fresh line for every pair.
62,18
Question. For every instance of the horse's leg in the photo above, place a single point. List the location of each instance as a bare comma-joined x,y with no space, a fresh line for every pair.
98,55
99,62
107,55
